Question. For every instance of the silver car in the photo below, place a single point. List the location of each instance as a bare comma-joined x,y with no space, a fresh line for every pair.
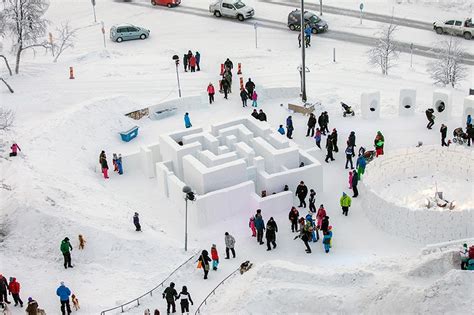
119,33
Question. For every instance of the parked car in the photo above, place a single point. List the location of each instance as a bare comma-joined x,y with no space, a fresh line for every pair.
119,33
317,25
168,3
231,8
455,27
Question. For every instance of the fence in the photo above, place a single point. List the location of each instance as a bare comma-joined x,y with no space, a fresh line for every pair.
137,300
204,302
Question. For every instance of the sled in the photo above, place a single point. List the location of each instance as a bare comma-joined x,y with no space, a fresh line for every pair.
245,266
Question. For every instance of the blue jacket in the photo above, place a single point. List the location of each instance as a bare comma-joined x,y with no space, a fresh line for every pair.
469,120
259,224
281,130
63,292
307,31
187,121
198,57
289,123
361,162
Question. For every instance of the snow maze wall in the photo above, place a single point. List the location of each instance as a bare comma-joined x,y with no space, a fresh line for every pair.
411,220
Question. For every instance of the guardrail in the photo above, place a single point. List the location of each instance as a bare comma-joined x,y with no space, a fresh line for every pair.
204,302
137,300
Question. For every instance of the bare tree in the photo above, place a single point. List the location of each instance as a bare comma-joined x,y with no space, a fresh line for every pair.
7,85
25,21
2,33
7,117
385,52
66,37
447,69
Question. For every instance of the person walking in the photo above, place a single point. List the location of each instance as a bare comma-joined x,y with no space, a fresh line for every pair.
270,233
299,39
468,120
443,130
229,245
198,60
293,216
190,54
244,97
63,292
15,148
430,116
103,164
351,141
192,63
307,35
136,222
170,295
281,130
302,192
250,86
326,121
320,216
306,233
211,91
228,77
349,153
185,62
345,202
355,181
187,121
254,114
327,240
32,308
119,164
205,260
14,288
4,289
228,65
260,226
379,143
254,98
317,138
312,200
66,249
329,148
225,87
334,140
311,124
262,116
252,226
321,123
325,224
351,173
360,165
214,256
470,135
289,127
184,299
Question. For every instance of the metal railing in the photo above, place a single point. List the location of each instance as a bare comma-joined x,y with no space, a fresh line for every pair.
137,300
204,302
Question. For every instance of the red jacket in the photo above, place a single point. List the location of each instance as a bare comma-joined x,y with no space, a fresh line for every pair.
14,286
210,89
214,254
192,61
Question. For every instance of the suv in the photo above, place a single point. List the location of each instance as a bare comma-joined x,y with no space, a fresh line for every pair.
119,33
317,25
231,8
455,27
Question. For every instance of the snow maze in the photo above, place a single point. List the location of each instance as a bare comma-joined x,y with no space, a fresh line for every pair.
396,188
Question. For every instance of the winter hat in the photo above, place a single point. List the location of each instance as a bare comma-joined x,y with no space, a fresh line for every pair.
330,227
214,246
62,282
344,194
465,245
30,299
226,233
67,239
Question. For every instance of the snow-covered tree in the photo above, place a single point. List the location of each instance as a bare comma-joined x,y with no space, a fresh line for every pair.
385,52
26,23
65,39
7,117
2,33
447,69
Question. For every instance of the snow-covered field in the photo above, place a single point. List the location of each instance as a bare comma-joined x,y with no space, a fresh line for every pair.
54,188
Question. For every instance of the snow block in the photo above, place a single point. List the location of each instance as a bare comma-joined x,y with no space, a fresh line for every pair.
407,102
442,104
468,108
370,105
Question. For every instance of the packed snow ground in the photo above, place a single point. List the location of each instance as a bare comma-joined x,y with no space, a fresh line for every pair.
54,188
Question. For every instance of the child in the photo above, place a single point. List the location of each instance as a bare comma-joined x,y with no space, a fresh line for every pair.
215,257
185,299
75,302
119,164
114,161
82,241
252,226
15,149
327,239
317,138
254,98
351,174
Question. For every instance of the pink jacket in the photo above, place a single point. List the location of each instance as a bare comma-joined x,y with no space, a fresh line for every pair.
254,96
320,215
15,148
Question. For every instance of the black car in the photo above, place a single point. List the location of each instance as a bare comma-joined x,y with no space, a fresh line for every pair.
317,25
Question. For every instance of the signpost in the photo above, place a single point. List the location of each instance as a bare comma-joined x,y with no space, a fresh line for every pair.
93,9
255,25
103,32
361,7
51,43
411,55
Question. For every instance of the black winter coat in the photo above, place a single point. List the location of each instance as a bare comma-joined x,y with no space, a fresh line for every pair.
250,86
302,191
293,216
429,114
321,120
329,144
272,228
311,121
262,116
3,285
243,95
325,224
352,140
444,131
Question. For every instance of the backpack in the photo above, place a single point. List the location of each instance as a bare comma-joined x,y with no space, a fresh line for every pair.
471,252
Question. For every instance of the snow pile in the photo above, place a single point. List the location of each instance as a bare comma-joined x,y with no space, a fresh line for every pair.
385,287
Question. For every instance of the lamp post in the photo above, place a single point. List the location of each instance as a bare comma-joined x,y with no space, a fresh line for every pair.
303,64
189,196
176,60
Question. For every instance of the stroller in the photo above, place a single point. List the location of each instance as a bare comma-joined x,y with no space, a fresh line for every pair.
369,155
459,136
347,110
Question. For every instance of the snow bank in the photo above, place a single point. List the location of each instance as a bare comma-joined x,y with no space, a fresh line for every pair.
392,209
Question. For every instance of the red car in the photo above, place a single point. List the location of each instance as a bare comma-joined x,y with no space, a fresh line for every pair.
168,3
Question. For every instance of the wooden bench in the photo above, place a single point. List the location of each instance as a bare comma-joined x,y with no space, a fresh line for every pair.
305,110
129,134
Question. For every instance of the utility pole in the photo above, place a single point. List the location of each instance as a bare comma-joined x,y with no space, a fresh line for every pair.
303,63
321,7
93,8
176,60
255,25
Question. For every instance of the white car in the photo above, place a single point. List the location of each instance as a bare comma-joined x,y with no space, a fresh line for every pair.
231,8
455,27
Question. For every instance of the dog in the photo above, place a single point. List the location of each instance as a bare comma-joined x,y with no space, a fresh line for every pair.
75,302
82,242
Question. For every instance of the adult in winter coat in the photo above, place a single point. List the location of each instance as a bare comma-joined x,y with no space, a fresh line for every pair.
225,87
302,192
306,233
345,203
349,154
170,295
260,226
205,260
329,149
379,143
311,124
307,36
32,308
262,116
14,288
190,54
351,141
317,138
250,86
185,62
293,216
430,116
228,77
103,164
66,248
321,121
281,130
327,240
119,164
228,64
270,233
468,120
320,215
214,256
254,98
3,290
289,127
229,245
184,299
64,293
361,164
198,60
326,121
187,121
252,226
254,114
136,222
334,140
443,130
15,148
325,224
355,181
312,200
211,91
192,63
244,97
470,135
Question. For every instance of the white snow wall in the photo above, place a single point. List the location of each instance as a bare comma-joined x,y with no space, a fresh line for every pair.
423,226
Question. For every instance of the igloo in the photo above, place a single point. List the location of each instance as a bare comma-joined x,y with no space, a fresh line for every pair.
442,104
370,105
468,108
407,102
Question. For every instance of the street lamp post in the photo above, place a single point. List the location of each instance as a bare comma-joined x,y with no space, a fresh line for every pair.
303,64
189,196
176,60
